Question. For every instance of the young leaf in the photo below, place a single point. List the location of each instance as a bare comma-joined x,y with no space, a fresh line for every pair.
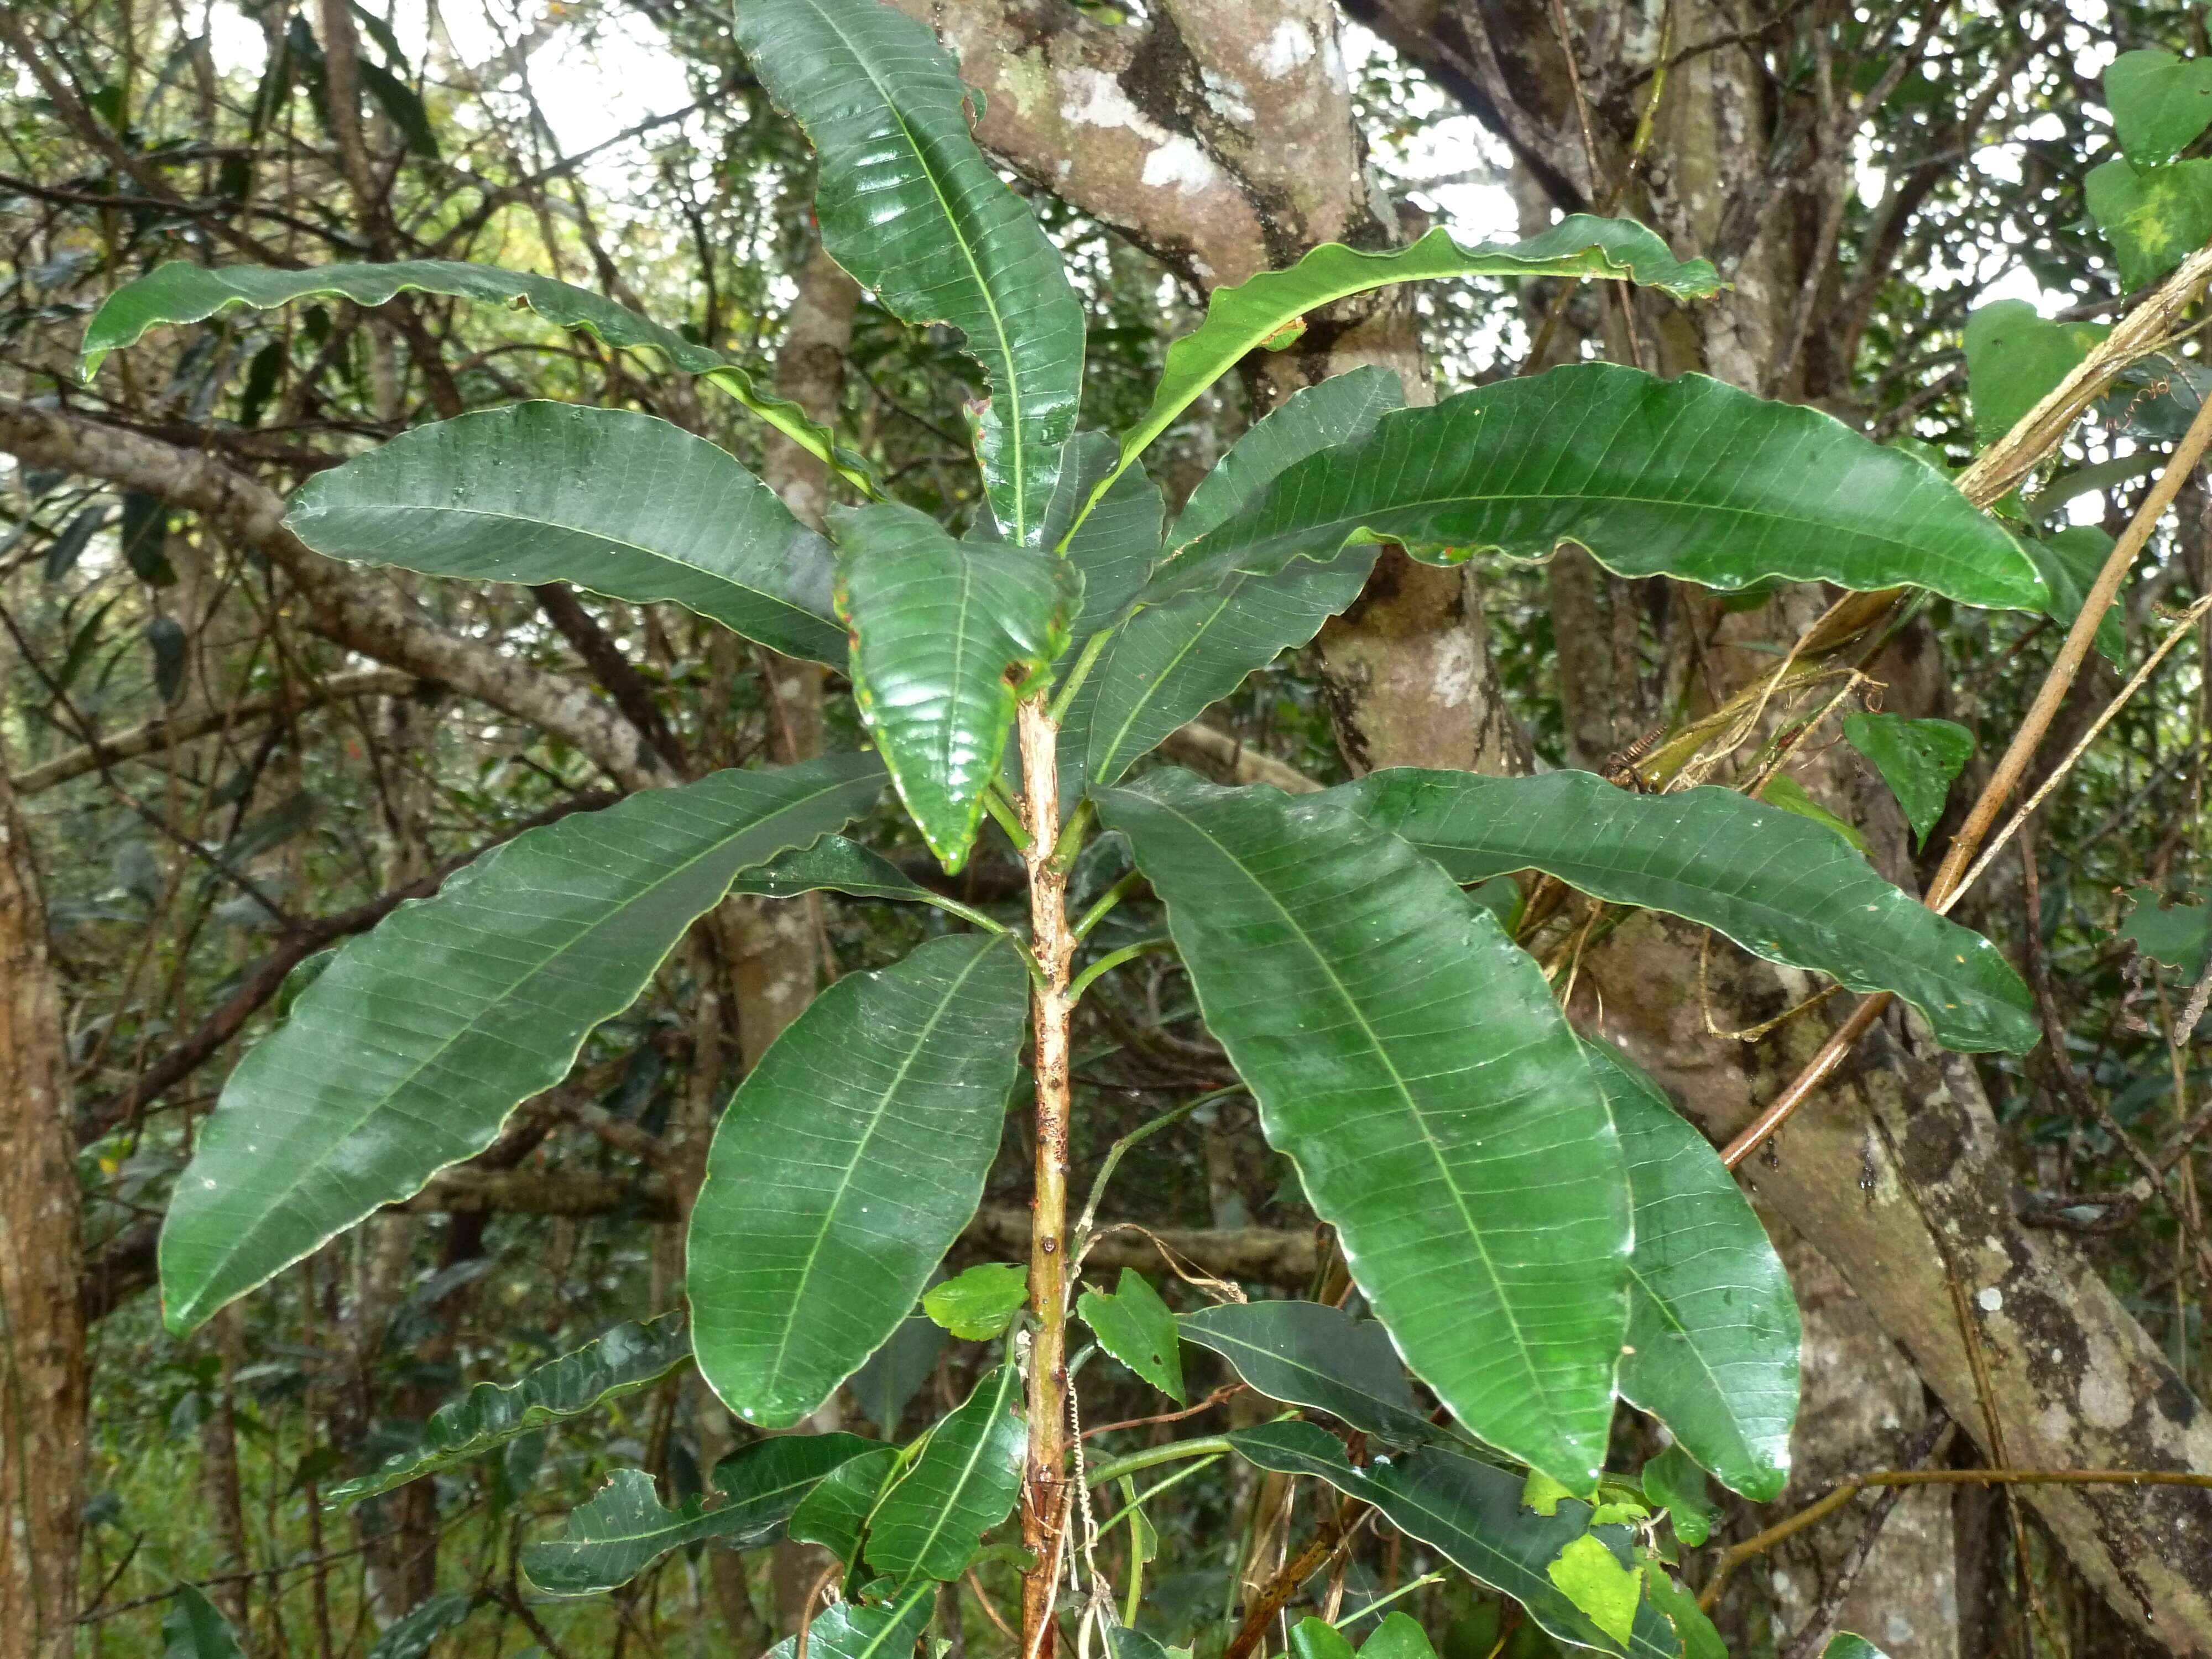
856,1630
625,1528
2155,217
1138,1328
835,1513
1170,662
2071,562
1688,477
2014,359
1679,1608
180,292
1777,886
946,635
1414,1064
980,1304
1592,1577
846,1164
1316,1638
1713,1334
908,205
1307,1353
417,1039
931,1524
1471,1513
1785,792
410,1636
1261,310
1675,1483
194,1629
1399,1636
1917,759
2159,103
618,503
627,1358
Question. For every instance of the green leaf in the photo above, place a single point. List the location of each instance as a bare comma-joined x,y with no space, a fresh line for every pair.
1785,792
625,1528
410,1638
1260,310
1399,1636
895,1371
1776,885
180,292
2014,359
1681,1609
1307,1353
1687,477
835,862
1316,1638
2071,562
627,1358
1138,1330
2180,937
835,1513
908,205
1713,1333
1592,1577
410,1050
1848,1646
1470,1512
1116,545
1413,1064
1170,662
946,636
2155,217
1917,759
981,1302
618,503
843,1169
2159,103
852,1630
932,1522
194,1629
1543,1494
1675,1483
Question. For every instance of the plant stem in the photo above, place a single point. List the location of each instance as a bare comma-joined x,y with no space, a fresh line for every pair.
1208,1446
1054,944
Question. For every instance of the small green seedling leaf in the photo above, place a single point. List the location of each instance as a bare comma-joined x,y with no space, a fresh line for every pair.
1673,1482
1917,759
1138,1328
1591,1577
981,1302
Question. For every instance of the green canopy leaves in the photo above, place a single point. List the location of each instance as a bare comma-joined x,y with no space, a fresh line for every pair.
620,504
844,1167
1688,477
1413,1064
908,205
1778,886
412,1048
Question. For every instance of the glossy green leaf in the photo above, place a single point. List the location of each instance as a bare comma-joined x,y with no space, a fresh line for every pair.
1307,1353
980,1304
627,1358
1777,885
1471,1512
932,1522
945,635
2155,217
908,205
835,1513
618,503
1673,1482
1713,1331
895,1371
410,1050
1687,477
1679,1607
2014,359
844,1167
835,862
1594,1578
1261,310
1413,1064
2179,936
1917,759
1785,792
1138,1330
410,1636
1399,1636
2071,562
1315,1638
180,292
192,1628
2159,103
1115,546
852,1630
1170,662
625,1528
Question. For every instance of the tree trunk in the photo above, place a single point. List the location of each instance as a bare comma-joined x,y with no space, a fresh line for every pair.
44,1387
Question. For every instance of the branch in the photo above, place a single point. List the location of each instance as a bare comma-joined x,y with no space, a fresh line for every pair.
1210,749
345,608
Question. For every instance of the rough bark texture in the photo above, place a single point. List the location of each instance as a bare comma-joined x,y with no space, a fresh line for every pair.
44,1384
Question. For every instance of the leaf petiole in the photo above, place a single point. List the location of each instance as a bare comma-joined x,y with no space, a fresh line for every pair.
1064,694
1114,959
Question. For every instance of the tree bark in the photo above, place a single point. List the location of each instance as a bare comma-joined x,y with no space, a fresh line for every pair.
44,1384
